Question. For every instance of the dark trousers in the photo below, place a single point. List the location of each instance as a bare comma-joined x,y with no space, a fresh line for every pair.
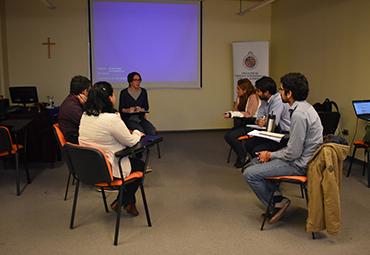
129,194
143,126
232,135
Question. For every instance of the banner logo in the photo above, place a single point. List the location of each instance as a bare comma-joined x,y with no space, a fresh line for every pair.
250,61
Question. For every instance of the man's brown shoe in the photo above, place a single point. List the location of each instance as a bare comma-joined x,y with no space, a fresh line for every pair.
131,209
283,205
114,205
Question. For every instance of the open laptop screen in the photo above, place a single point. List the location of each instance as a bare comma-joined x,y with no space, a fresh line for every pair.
362,108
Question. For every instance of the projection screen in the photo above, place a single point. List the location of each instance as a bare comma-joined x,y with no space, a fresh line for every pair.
161,40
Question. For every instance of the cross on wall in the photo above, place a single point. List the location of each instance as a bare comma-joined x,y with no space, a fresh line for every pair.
48,44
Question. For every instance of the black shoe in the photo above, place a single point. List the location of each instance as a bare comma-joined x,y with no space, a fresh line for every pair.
246,164
239,163
237,160
269,214
242,163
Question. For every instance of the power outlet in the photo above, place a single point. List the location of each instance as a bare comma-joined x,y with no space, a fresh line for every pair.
345,132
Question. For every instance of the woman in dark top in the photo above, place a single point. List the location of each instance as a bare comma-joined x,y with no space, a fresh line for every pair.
132,101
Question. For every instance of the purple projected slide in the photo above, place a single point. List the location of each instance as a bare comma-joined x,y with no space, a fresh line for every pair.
158,40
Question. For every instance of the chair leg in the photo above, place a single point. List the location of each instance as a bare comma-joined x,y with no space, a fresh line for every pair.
69,178
304,188
159,152
118,218
26,168
17,177
364,165
228,158
145,205
74,204
270,206
353,156
104,199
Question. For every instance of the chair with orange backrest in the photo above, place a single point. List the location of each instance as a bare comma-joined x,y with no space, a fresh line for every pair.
8,149
91,166
360,144
61,141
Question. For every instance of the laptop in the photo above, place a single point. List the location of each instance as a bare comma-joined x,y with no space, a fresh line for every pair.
362,109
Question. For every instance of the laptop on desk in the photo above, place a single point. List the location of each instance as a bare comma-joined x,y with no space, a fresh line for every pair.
362,109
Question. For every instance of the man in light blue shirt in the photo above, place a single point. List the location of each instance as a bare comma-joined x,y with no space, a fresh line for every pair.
305,138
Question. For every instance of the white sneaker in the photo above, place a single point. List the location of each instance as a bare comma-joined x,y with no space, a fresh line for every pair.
148,169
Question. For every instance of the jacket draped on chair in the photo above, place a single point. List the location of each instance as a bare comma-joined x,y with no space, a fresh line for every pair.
324,174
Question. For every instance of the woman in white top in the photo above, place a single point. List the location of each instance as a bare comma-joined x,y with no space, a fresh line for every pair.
101,126
244,112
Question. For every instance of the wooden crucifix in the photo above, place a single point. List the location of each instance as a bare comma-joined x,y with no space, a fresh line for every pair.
48,44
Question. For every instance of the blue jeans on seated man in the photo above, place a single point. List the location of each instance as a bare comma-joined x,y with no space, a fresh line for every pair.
254,175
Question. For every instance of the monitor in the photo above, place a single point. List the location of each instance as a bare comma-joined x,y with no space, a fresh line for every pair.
23,95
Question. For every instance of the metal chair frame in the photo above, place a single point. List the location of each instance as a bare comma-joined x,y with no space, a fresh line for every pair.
301,180
360,144
9,149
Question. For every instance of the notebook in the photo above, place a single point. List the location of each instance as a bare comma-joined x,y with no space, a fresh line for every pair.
362,109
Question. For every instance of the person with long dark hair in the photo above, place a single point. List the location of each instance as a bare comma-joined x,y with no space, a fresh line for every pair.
245,109
101,126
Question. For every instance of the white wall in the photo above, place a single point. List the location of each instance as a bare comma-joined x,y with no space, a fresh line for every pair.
29,23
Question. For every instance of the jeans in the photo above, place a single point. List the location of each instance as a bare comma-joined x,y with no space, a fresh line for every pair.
254,175
143,126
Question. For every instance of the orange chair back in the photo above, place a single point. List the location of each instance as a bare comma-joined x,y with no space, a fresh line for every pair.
60,137
6,144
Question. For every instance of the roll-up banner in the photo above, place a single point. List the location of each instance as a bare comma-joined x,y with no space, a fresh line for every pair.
251,60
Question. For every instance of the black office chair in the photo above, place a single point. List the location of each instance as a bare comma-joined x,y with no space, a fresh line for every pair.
90,165
10,150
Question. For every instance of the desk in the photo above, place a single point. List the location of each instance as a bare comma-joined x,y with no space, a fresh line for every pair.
14,126
41,143
145,143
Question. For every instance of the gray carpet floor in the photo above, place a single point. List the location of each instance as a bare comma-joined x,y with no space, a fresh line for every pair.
198,204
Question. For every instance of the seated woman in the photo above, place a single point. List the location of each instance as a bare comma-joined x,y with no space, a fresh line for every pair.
134,99
245,108
101,126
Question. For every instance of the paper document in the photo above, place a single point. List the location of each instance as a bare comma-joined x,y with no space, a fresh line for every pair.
268,135
255,126
235,114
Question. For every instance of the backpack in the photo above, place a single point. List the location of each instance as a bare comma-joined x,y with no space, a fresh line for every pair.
326,106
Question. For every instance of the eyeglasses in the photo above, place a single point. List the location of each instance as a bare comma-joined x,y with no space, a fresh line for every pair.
137,80
280,89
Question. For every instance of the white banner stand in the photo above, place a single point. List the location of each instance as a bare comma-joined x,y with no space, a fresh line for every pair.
251,60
